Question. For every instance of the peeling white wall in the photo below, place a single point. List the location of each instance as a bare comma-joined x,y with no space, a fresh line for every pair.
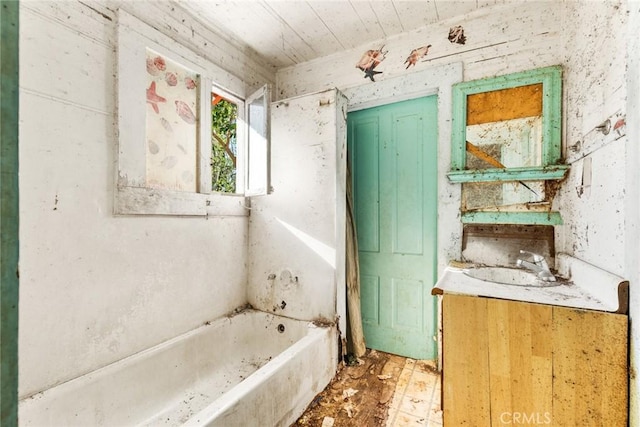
297,244
601,221
594,91
95,288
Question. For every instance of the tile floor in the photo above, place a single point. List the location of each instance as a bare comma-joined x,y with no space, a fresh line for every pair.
416,400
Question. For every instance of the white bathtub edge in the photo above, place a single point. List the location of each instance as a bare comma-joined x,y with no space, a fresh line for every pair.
224,412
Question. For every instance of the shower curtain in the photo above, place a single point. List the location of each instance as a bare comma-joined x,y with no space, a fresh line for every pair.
353,276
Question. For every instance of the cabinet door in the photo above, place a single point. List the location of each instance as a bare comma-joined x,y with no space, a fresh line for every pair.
466,400
508,362
590,384
520,362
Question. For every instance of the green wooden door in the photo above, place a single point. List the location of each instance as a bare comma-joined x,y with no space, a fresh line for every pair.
393,154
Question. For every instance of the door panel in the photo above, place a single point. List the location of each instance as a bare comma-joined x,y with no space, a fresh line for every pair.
393,156
370,296
367,195
408,202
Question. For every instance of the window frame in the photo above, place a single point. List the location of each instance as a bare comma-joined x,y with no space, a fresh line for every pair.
265,181
132,196
240,139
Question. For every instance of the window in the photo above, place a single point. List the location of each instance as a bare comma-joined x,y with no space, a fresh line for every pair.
171,131
184,146
240,155
258,149
224,142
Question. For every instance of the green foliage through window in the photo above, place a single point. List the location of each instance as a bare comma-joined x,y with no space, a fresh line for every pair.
223,144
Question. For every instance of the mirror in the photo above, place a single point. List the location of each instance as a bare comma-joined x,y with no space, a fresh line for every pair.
504,128
506,148
507,128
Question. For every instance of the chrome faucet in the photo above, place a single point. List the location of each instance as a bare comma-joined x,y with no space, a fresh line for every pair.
538,266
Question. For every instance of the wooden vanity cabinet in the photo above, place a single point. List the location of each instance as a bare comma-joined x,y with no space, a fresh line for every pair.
515,363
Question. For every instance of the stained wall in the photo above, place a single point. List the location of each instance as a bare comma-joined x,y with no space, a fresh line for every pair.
297,233
598,202
500,39
596,43
95,287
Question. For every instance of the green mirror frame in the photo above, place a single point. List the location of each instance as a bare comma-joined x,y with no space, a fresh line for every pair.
551,169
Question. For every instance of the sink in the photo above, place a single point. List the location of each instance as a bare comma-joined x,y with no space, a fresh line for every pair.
578,285
506,276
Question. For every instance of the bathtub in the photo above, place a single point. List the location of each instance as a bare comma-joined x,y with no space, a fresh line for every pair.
249,369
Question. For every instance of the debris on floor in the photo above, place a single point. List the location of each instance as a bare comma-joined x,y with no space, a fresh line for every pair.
328,422
359,394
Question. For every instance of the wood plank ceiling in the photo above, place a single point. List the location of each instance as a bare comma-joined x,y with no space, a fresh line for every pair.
289,32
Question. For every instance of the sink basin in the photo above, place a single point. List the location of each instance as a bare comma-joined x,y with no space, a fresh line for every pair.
507,276
578,285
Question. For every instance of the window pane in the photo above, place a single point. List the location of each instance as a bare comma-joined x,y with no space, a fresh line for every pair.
224,153
258,143
171,124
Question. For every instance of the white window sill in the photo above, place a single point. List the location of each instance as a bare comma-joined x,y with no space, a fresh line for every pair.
150,201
